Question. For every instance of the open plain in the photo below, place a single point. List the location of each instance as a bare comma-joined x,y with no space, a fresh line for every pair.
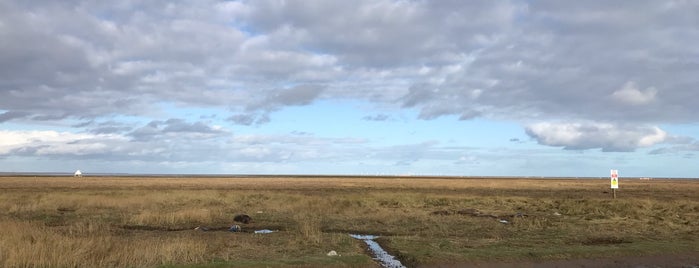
150,221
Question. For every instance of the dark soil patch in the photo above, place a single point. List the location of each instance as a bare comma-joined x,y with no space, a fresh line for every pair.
64,209
592,241
350,231
476,213
153,228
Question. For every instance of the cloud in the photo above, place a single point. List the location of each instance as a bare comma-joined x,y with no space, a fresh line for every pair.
296,96
176,127
515,60
9,115
246,119
680,147
258,111
55,143
121,67
605,136
378,117
106,127
630,94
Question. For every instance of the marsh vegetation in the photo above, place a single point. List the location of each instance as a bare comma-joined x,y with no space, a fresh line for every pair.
149,222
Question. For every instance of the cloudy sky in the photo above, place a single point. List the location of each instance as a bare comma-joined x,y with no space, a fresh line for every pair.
526,88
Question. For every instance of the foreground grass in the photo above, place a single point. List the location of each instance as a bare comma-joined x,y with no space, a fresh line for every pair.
148,222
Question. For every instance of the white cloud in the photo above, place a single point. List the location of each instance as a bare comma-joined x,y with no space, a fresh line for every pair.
605,136
54,142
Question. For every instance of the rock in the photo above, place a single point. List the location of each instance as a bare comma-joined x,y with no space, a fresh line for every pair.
332,253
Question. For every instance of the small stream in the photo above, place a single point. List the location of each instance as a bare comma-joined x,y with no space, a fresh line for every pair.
385,259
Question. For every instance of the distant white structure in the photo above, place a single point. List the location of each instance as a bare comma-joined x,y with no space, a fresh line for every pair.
78,173
646,179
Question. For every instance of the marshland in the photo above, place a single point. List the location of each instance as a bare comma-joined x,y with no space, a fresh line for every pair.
150,221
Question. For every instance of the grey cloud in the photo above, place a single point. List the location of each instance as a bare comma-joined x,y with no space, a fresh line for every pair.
299,95
242,119
179,125
83,124
105,127
418,94
386,33
257,112
301,133
378,117
586,71
49,117
662,151
110,130
677,149
249,119
87,59
296,96
175,127
9,115
516,60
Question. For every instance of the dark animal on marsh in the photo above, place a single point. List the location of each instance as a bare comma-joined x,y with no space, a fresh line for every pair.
242,218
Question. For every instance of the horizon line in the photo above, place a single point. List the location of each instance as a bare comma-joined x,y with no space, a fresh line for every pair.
243,175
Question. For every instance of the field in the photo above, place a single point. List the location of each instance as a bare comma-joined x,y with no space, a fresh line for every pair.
149,222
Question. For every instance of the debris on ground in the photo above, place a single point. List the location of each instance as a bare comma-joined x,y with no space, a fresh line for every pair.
332,253
264,231
234,228
504,221
201,228
557,214
242,218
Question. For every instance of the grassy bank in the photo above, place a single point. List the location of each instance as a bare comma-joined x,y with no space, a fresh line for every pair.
149,222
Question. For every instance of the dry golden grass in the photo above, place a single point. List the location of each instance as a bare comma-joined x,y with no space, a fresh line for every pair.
148,222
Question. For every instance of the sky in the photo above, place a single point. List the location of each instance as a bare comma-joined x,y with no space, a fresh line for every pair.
375,87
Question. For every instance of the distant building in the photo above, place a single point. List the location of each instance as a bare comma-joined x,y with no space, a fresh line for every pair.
78,173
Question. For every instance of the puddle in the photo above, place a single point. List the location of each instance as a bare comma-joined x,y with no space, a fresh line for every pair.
385,259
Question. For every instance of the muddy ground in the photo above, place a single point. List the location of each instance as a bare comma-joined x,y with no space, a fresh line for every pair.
688,260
